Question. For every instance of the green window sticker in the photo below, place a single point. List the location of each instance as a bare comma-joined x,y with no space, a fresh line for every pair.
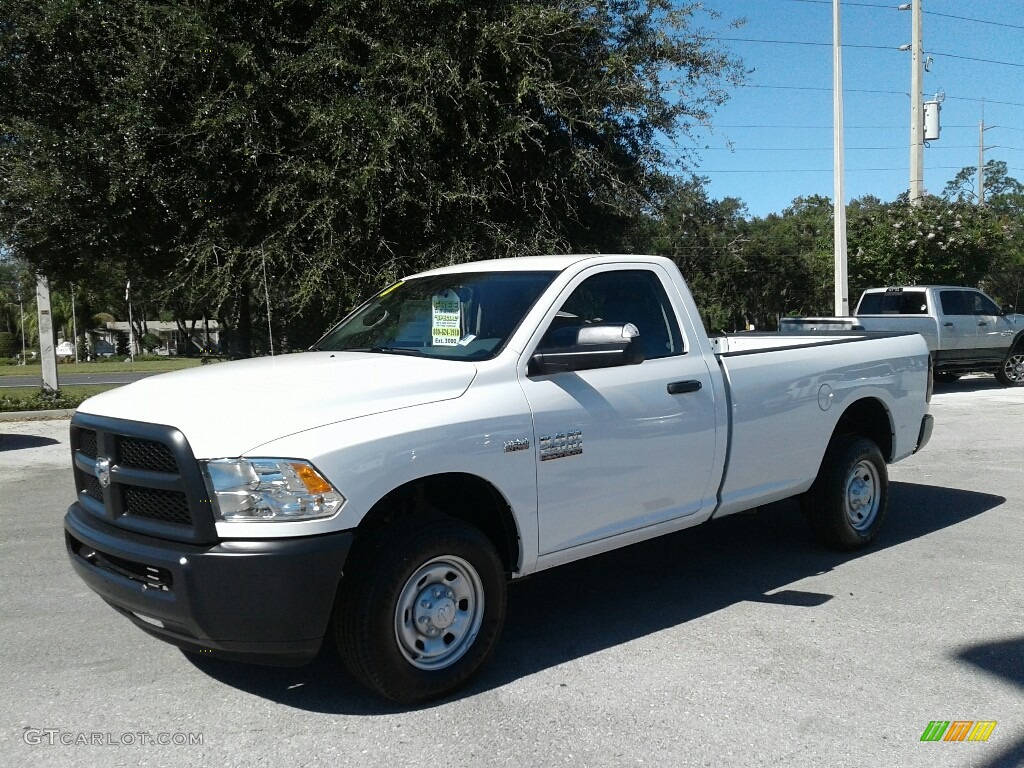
446,314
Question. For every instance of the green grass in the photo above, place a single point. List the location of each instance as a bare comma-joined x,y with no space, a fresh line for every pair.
34,399
36,369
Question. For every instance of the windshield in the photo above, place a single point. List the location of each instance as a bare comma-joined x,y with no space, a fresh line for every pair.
463,316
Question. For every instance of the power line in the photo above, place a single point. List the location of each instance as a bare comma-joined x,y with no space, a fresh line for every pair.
976,21
927,13
974,58
830,170
987,101
874,90
861,5
829,149
803,42
821,88
854,45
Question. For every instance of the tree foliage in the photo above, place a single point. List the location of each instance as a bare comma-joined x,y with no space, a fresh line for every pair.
335,145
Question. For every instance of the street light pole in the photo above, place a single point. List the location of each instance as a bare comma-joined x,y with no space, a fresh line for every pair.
21,306
74,321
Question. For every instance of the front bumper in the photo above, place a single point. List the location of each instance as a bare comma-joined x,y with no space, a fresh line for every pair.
263,601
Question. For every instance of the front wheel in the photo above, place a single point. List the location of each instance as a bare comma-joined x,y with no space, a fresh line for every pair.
422,610
849,499
1011,373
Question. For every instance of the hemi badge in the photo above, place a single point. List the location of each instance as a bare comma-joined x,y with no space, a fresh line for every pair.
519,444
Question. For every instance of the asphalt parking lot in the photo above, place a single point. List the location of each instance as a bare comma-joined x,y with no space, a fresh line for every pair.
739,643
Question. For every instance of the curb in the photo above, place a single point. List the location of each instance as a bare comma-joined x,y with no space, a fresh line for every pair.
65,413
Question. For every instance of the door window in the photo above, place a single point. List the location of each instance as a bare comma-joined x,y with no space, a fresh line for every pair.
982,304
954,303
619,297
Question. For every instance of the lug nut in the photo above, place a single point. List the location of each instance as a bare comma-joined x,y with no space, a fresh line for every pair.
426,604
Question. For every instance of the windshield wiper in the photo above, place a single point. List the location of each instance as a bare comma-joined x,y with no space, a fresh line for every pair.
392,350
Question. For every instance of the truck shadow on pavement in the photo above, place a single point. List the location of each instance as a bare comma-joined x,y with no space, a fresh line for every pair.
20,442
1005,660
601,602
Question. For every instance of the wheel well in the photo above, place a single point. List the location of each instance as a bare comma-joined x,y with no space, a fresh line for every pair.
462,496
868,418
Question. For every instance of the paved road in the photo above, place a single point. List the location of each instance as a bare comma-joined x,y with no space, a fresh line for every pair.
111,377
736,644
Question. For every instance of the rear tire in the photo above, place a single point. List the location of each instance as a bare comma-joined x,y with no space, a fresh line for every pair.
422,610
848,502
1011,372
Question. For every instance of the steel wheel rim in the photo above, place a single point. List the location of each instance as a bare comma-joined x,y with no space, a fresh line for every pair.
1014,368
439,613
862,496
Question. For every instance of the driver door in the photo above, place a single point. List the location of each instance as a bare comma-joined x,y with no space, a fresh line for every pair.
625,447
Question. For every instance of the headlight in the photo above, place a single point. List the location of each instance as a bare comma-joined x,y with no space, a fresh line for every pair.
255,490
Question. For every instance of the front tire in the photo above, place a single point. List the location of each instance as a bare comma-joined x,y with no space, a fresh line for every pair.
1011,372
849,499
422,610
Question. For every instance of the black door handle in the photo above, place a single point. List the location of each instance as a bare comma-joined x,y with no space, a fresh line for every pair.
681,387
947,325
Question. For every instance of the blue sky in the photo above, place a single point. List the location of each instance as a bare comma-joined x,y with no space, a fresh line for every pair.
782,137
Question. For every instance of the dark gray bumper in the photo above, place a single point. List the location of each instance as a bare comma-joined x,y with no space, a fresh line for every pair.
266,601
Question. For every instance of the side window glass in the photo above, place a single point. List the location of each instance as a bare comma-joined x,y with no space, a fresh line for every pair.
913,303
983,305
619,297
953,303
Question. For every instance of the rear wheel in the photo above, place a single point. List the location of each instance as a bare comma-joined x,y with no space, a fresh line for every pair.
422,610
1011,373
848,501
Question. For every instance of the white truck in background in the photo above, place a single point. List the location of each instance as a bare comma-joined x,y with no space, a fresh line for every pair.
466,427
966,331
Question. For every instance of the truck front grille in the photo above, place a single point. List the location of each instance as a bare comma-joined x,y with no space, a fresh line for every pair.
141,477
147,454
169,506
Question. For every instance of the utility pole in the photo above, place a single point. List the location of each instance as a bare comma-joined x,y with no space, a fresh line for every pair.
842,300
46,348
916,48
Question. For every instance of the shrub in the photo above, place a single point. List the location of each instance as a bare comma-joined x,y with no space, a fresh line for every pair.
40,401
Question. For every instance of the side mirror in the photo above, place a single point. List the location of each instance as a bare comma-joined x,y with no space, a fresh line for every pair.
589,346
1007,309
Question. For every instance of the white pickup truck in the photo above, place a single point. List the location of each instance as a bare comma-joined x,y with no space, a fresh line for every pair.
464,427
965,330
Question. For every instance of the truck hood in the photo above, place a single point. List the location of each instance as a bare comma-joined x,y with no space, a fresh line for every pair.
228,409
